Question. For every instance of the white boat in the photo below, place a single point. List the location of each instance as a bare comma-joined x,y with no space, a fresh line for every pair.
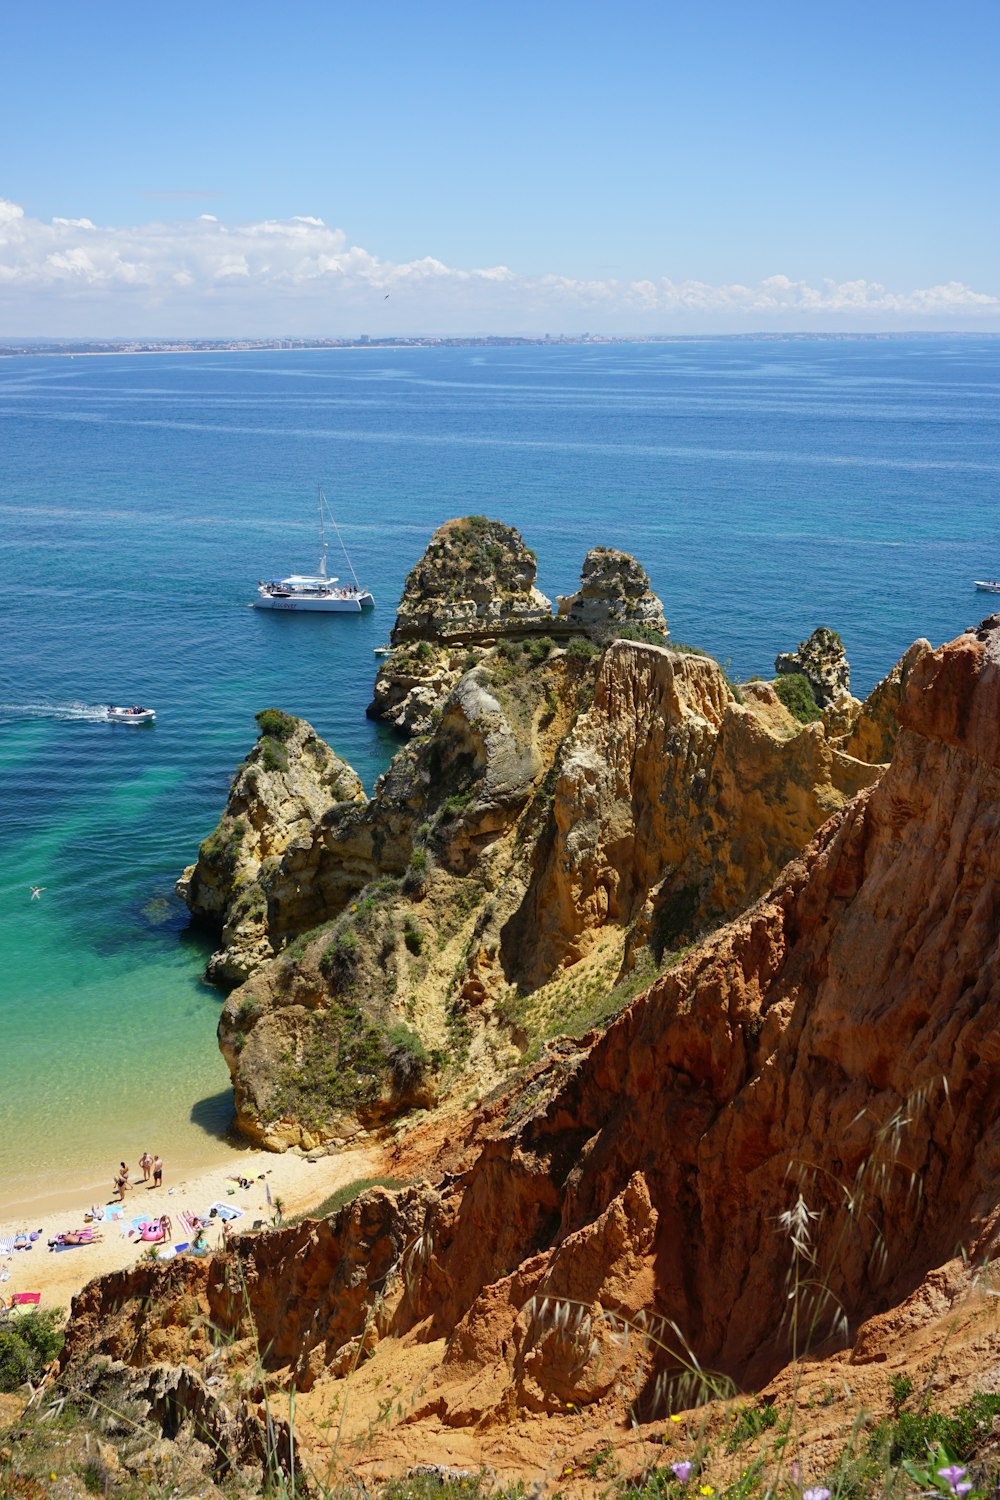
317,592
383,650
988,586
134,715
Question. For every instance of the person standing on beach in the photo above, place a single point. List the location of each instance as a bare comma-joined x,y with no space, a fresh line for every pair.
145,1162
122,1182
157,1172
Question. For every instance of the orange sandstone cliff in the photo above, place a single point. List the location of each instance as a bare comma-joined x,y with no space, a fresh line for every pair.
831,1055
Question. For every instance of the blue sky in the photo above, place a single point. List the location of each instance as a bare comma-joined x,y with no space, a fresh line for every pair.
620,167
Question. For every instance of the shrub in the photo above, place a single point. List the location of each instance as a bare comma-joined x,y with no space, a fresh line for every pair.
273,755
642,633
452,806
538,648
423,651
347,1194
416,873
413,937
795,692
341,959
28,1343
406,1055
222,847
275,724
582,650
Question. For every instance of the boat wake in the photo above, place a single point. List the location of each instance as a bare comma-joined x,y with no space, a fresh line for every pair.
90,712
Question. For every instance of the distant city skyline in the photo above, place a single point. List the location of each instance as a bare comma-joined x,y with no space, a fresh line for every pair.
440,169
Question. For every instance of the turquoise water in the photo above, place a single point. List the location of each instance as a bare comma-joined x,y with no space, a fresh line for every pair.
767,487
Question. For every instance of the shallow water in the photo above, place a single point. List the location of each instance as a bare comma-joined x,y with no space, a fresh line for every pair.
767,487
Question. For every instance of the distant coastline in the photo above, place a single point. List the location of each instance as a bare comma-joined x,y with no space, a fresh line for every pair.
62,348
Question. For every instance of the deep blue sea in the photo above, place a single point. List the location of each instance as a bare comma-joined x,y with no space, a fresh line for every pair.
767,487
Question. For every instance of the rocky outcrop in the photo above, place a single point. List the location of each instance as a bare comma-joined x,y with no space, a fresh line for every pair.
569,814
674,806
474,583
475,579
872,734
289,783
806,1066
822,661
475,586
614,592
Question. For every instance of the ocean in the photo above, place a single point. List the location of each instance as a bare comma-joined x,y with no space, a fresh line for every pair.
767,487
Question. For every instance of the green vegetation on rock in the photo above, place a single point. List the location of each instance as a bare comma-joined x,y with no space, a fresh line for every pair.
275,723
795,692
222,847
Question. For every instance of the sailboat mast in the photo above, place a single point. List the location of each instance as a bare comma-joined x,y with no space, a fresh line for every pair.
322,532
340,539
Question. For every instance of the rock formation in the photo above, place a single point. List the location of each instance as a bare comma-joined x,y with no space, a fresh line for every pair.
573,815
475,586
822,661
829,1056
872,734
289,783
474,583
614,592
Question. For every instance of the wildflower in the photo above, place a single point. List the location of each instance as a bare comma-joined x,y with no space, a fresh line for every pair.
816,1492
675,1418
954,1477
683,1470
706,1489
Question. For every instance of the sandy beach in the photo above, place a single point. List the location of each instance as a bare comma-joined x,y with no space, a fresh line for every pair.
300,1183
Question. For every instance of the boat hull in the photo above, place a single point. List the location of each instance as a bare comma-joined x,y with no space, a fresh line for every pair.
316,604
146,717
987,588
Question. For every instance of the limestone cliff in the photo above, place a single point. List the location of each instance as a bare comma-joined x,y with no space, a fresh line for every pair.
614,592
475,582
872,733
573,815
831,1055
288,783
475,586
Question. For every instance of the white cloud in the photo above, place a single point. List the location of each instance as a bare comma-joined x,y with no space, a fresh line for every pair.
298,274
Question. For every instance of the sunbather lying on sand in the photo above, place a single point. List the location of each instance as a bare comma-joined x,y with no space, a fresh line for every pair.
75,1237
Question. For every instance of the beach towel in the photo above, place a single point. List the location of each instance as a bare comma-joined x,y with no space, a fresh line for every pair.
223,1211
114,1211
187,1218
142,1221
25,1299
7,1246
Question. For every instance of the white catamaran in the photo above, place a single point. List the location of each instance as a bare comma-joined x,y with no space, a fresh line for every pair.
317,591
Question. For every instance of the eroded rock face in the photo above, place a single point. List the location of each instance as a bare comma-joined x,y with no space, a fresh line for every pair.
614,591
289,782
823,662
838,1041
674,805
872,735
841,1034
474,583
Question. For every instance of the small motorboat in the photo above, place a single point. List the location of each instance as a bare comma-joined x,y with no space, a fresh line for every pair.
988,586
383,650
134,715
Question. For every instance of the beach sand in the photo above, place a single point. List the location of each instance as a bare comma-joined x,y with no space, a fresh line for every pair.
58,1275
